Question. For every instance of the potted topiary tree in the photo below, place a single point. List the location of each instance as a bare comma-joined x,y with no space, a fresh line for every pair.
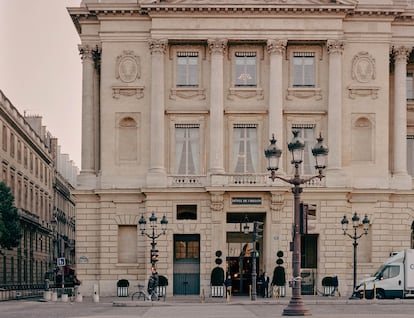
217,278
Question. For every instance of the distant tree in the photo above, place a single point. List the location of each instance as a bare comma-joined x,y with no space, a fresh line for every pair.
10,233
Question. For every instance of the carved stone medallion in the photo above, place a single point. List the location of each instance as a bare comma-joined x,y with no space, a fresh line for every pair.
363,67
128,67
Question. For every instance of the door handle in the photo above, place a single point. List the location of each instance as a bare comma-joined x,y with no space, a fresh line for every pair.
399,282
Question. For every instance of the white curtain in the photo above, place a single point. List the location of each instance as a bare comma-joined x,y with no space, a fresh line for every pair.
187,152
245,156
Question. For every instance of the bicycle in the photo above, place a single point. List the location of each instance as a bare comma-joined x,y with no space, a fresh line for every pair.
144,294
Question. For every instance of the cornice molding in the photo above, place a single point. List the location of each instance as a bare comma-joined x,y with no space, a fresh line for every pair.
92,12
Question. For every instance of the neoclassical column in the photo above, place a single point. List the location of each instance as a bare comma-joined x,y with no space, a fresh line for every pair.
276,50
217,49
400,111
335,50
158,48
88,55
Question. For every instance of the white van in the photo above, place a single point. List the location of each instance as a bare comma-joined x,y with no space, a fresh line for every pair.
394,279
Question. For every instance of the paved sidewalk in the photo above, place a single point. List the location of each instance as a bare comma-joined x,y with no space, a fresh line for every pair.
245,300
243,307
193,307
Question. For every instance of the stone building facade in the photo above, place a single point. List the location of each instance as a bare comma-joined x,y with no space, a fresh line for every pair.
41,179
180,99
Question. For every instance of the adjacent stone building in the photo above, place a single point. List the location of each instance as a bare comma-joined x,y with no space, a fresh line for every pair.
180,99
41,179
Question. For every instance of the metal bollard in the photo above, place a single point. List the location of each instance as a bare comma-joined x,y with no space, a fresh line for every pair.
95,293
363,295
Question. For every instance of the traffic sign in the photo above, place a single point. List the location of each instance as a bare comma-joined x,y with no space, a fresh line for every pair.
61,261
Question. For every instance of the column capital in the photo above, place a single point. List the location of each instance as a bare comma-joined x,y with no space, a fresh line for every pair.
217,46
158,45
335,46
401,53
276,46
89,51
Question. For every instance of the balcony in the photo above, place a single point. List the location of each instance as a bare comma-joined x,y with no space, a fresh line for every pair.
232,180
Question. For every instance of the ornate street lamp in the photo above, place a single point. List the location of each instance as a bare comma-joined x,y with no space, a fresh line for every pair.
153,236
257,229
296,147
355,236
53,224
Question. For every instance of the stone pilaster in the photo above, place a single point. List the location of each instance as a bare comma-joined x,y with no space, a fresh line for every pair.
90,55
334,174
217,50
157,172
401,179
276,50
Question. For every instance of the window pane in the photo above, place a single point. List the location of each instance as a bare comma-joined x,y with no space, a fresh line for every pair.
245,149
187,212
410,83
410,155
245,67
297,72
180,249
193,249
309,75
187,152
193,71
181,71
187,69
303,69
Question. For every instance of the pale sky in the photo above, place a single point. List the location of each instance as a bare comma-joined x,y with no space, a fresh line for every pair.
40,66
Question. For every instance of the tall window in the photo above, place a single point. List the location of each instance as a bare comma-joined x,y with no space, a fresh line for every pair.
245,148
307,133
410,86
303,69
245,68
4,138
187,69
31,162
410,155
187,152
25,157
12,146
19,151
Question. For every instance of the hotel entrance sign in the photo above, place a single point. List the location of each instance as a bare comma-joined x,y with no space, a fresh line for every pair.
246,200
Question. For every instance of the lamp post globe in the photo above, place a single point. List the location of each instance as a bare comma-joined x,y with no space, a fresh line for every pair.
320,152
273,154
296,148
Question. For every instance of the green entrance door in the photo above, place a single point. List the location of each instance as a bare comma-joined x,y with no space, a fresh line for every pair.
186,277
